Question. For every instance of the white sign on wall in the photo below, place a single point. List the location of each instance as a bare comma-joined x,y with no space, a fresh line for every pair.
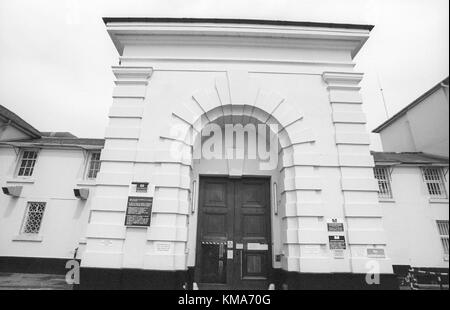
162,246
335,225
375,253
141,188
336,237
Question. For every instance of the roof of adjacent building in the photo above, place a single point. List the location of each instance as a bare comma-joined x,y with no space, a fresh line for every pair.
18,122
233,21
67,141
45,137
86,143
411,105
58,134
409,158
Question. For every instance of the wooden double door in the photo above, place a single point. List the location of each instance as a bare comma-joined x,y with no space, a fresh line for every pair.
233,233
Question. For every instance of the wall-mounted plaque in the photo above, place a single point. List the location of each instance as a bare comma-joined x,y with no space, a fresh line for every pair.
162,246
375,253
139,211
337,242
335,226
339,253
141,187
257,246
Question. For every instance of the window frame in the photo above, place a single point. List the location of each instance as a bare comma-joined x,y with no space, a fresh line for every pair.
388,181
88,165
21,159
440,182
26,217
442,236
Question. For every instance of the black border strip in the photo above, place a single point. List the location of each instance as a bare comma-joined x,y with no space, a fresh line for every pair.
107,20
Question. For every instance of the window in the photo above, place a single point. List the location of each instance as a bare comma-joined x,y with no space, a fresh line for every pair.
434,180
33,217
443,231
93,165
27,162
383,176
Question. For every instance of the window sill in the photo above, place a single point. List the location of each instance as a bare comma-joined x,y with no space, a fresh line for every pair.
82,241
86,182
21,180
438,200
391,200
30,237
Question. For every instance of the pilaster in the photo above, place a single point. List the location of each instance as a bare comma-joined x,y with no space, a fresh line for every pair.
362,214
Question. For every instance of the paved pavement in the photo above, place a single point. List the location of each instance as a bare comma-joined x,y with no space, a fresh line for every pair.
28,281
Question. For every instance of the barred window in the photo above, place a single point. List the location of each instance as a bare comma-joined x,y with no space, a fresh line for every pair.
94,165
443,231
384,182
27,162
33,217
434,180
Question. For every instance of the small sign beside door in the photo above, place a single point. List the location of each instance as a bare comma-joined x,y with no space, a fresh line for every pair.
335,224
229,254
257,246
375,253
337,242
140,188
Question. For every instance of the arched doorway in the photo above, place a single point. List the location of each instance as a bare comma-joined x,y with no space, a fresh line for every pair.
236,228
183,135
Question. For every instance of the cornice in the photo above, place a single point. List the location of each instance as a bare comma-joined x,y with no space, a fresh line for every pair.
132,73
305,36
342,80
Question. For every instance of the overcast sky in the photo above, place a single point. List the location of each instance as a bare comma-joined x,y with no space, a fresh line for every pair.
55,55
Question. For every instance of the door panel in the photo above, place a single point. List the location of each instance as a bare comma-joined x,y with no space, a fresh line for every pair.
252,222
233,239
215,227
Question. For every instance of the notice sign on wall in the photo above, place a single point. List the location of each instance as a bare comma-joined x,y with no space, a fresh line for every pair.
141,187
337,242
335,226
139,211
375,253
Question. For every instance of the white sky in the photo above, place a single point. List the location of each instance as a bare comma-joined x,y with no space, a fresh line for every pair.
55,55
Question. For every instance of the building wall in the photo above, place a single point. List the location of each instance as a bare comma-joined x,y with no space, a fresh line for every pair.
57,172
410,220
423,128
326,164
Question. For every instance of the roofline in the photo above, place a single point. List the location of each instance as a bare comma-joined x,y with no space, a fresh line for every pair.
33,132
107,20
391,163
21,144
434,160
409,106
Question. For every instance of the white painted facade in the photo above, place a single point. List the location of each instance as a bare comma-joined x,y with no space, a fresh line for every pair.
57,172
410,218
186,75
